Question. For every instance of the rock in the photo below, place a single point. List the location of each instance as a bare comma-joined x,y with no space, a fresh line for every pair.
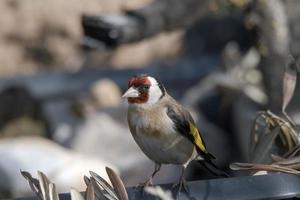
103,137
105,93
63,167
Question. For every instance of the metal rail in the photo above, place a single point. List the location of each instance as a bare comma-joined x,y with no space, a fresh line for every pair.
272,186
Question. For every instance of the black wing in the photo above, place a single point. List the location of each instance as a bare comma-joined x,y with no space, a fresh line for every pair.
185,125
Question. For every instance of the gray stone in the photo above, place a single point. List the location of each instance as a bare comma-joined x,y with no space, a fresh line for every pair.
63,167
105,93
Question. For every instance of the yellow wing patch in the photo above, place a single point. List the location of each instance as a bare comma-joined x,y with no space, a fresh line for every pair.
197,138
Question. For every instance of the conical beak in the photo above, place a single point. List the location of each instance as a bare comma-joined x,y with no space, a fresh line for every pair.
131,93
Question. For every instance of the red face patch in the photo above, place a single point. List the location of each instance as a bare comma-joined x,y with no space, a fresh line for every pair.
142,98
138,82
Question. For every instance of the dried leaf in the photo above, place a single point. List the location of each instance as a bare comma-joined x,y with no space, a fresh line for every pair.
117,184
240,166
109,197
75,195
292,153
86,180
290,161
260,127
52,192
44,185
255,130
295,166
277,158
90,194
262,167
33,183
289,132
289,82
101,181
104,184
278,121
100,193
287,136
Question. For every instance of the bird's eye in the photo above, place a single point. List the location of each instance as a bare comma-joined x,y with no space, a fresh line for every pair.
144,88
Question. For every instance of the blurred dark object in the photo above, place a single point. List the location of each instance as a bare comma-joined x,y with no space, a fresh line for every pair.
109,30
135,25
65,85
21,113
212,33
274,46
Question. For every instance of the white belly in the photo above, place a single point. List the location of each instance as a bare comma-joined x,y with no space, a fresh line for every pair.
178,152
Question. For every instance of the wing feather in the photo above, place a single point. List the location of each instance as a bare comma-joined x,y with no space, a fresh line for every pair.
185,125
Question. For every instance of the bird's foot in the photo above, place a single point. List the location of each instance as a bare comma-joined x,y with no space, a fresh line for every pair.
148,183
182,185
145,184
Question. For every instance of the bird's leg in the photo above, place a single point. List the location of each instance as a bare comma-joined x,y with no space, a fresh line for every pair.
182,183
149,181
156,169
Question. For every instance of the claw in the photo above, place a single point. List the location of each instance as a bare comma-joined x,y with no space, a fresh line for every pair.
149,181
144,185
181,185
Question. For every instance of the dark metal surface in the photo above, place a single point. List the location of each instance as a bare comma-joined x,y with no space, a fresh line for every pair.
273,186
177,77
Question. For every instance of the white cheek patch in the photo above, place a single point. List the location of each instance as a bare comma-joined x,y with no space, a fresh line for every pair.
154,91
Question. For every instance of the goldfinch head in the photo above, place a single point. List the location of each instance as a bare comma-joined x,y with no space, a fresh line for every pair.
144,89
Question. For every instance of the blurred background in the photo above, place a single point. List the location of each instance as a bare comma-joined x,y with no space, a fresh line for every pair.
64,66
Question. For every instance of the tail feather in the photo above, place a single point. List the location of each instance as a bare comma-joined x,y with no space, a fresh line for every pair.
209,156
221,172
205,154
207,160
216,170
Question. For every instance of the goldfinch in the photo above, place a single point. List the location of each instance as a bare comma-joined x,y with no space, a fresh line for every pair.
163,129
